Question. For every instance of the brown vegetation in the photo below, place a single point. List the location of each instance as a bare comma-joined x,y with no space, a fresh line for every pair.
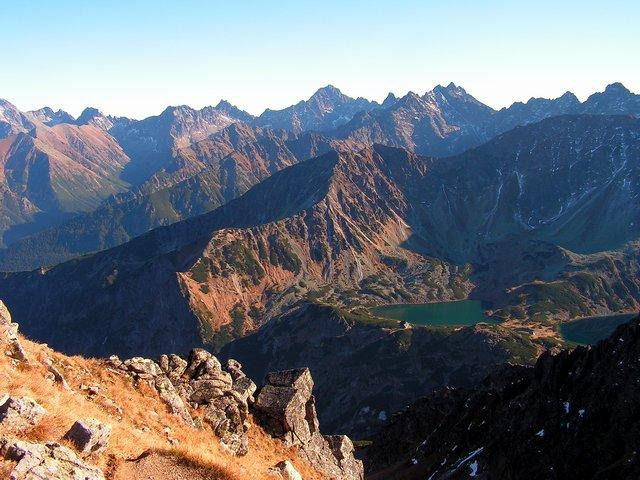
145,434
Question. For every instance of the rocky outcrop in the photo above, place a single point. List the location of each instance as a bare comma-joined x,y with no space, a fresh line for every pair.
89,435
574,415
9,335
285,407
200,382
20,413
50,461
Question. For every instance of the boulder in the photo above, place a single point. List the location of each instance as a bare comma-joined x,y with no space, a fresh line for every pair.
245,388
49,461
288,407
20,413
176,366
5,315
203,391
197,358
200,381
286,471
57,375
234,368
89,435
342,448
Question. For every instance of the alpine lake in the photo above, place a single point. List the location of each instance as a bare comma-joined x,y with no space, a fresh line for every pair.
458,313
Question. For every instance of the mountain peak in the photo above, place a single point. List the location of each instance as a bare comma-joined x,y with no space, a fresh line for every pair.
173,109
50,117
568,95
328,90
389,100
93,116
451,89
223,105
616,87
329,94
88,114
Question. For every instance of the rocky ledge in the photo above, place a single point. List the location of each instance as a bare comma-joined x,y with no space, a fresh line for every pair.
284,406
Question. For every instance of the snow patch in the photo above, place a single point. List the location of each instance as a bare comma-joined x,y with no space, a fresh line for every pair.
473,467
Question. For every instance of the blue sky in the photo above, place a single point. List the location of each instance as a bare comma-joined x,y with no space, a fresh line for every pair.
135,57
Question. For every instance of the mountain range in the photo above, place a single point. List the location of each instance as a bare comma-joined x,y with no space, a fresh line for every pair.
271,239
46,154
407,227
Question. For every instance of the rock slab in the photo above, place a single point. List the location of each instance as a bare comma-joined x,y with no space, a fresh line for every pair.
20,413
89,435
50,461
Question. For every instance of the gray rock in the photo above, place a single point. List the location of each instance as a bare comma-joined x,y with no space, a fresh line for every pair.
177,366
143,367
5,315
227,420
234,368
201,382
57,376
197,358
89,435
287,402
20,413
286,471
170,396
245,387
49,461
115,362
210,387
343,450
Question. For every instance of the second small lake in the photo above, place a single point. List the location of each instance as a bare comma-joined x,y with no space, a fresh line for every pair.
463,312
590,330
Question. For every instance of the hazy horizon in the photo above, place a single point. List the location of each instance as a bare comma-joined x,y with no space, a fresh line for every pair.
135,59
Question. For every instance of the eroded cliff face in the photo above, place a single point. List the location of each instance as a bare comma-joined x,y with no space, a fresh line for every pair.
573,415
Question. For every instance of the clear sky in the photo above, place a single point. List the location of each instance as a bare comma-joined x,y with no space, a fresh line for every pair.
135,57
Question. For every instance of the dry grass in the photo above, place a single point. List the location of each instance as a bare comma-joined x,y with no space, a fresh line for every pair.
138,417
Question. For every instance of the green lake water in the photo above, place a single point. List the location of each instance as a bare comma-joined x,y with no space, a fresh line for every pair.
464,312
590,330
